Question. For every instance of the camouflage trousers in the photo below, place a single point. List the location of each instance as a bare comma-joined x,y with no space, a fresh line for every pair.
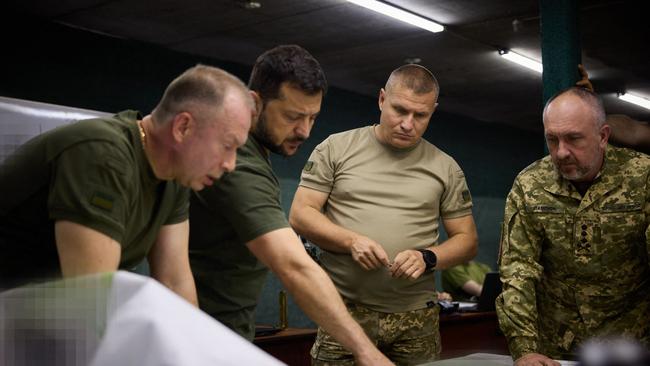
408,338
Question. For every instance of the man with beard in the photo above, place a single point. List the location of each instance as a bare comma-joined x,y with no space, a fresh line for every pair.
575,242
238,226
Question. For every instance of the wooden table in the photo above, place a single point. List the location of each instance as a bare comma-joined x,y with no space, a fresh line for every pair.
467,333
290,346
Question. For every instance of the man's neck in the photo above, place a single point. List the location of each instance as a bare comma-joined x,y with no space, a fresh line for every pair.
379,133
582,187
150,145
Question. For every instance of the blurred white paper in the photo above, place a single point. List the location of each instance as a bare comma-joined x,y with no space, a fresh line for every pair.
114,319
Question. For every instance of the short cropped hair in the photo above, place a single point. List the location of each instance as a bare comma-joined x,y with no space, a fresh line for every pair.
286,63
414,77
196,90
592,99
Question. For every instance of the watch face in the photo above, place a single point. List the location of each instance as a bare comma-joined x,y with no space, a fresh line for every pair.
429,258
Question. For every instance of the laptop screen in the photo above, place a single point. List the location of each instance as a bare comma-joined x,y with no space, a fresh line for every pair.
491,289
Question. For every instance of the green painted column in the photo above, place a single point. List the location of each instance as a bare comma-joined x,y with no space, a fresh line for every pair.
561,51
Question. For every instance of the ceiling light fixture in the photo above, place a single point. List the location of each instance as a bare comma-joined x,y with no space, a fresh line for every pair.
521,60
400,14
640,101
250,4
412,60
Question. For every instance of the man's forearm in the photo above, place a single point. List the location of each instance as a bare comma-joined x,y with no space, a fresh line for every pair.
183,287
187,290
473,288
315,226
516,309
456,250
313,291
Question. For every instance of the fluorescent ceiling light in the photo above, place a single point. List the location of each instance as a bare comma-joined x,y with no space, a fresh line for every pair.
400,14
521,60
641,102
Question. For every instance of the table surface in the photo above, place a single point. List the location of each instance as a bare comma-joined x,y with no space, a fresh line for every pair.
485,359
286,334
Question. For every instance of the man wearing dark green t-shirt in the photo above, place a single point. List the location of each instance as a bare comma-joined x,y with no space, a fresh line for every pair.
103,194
238,226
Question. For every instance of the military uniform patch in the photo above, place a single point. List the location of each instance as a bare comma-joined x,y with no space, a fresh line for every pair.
102,201
466,196
308,166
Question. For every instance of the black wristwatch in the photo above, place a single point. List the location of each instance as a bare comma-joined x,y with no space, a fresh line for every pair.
430,258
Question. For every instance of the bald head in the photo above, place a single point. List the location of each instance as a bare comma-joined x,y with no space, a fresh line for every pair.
413,77
201,90
589,100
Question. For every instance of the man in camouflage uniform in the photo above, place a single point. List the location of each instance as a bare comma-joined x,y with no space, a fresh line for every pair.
371,198
574,247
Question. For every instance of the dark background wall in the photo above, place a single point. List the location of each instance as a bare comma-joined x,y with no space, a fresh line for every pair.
72,67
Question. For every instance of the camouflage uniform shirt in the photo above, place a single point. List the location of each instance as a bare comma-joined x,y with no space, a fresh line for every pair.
576,266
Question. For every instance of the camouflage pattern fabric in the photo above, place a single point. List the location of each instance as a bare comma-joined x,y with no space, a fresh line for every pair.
408,338
574,266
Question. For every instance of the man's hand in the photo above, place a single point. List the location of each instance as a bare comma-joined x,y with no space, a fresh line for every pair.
368,253
584,82
535,359
408,264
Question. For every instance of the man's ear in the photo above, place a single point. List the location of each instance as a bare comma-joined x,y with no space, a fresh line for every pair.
605,131
382,97
182,126
258,104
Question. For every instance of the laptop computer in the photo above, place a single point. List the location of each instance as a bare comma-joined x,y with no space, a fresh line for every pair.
491,289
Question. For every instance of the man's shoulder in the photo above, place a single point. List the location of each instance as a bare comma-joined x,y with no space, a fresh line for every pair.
252,157
251,149
253,169
111,131
538,171
346,137
111,125
434,156
628,161
433,150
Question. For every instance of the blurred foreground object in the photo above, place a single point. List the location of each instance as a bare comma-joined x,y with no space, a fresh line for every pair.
614,352
114,319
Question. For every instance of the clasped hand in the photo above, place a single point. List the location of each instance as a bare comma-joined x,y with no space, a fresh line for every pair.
371,255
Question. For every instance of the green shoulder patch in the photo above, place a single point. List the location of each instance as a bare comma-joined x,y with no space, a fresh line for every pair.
466,196
308,166
102,201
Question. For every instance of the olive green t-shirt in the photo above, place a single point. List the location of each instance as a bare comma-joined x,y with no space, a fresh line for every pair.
94,173
455,277
238,208
393,196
